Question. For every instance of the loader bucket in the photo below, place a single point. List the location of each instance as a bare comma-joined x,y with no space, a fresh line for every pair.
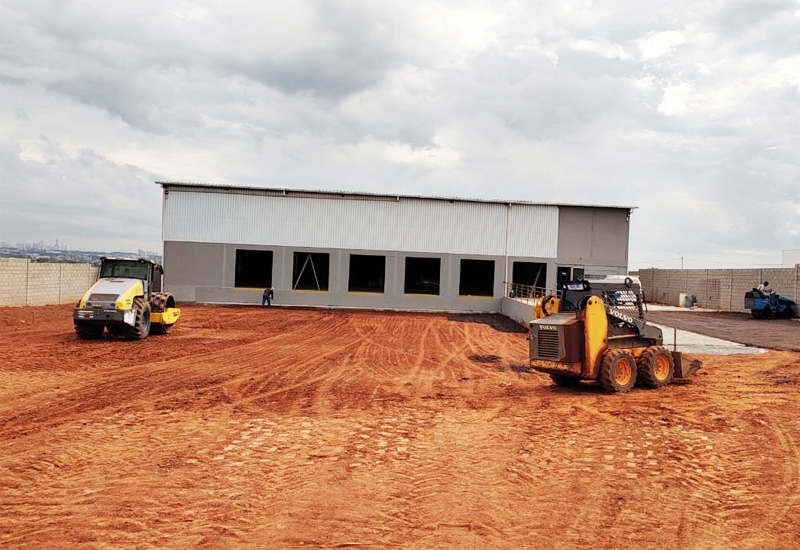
685,365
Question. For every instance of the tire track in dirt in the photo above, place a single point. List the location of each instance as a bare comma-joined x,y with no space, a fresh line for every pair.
127,385
292,430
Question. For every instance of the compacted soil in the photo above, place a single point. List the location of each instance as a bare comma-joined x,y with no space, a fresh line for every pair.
288,428
778,334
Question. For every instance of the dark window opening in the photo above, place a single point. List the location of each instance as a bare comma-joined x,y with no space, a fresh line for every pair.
253,269
310,271
566,274
477,278
423,276
367,273
530,274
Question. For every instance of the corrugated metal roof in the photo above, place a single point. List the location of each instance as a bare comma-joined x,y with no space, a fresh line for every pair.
351,195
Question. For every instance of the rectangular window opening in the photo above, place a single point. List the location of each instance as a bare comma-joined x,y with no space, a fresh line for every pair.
530,274
253,269
563,275
367,273
477,278
423,276
311,271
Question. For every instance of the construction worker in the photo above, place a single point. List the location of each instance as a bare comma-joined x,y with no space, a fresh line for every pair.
267,297
764,288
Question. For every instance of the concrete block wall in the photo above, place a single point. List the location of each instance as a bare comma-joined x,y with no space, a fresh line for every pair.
13,282
23,282
721,289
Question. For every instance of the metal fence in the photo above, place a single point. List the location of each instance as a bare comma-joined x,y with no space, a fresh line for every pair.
529,293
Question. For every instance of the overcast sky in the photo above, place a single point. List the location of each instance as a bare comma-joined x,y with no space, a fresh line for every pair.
687,110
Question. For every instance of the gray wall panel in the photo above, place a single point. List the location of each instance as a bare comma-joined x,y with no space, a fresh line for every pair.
597,236
189,263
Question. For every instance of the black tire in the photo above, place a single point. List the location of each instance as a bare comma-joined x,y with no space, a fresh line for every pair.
158,328
787,313
567,381
87,331
655,367
617,371
141,327
544,304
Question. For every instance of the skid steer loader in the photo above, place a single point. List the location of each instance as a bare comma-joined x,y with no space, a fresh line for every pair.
596,331
127,300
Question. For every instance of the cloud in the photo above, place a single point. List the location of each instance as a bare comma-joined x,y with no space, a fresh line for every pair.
67,197
658,44
685,110
674,102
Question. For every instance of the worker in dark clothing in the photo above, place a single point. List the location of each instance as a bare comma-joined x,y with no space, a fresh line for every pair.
268,296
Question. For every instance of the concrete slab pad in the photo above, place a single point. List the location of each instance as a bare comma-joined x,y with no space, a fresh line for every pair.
691,342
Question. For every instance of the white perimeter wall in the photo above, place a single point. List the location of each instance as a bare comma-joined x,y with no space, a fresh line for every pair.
409,225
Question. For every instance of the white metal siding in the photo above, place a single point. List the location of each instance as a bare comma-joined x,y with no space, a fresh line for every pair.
409,224
533,231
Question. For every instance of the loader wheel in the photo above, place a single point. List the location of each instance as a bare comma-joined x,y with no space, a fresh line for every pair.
568,381
86,331
141,327
655,367
617,371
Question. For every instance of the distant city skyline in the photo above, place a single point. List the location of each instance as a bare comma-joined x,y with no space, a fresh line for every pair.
63,247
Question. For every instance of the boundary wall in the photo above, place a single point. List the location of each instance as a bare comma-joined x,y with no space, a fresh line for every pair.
27,283
517,310
721,289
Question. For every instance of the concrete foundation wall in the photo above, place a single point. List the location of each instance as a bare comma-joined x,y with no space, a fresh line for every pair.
721,289
520,312
206,273
23,282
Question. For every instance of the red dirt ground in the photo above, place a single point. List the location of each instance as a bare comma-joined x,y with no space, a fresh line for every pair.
287,428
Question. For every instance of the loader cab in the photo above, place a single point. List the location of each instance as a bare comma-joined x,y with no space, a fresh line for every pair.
624,295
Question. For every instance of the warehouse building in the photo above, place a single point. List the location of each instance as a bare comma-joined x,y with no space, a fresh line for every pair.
318,248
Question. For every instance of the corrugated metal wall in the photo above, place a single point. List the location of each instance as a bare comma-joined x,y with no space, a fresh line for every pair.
407,224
